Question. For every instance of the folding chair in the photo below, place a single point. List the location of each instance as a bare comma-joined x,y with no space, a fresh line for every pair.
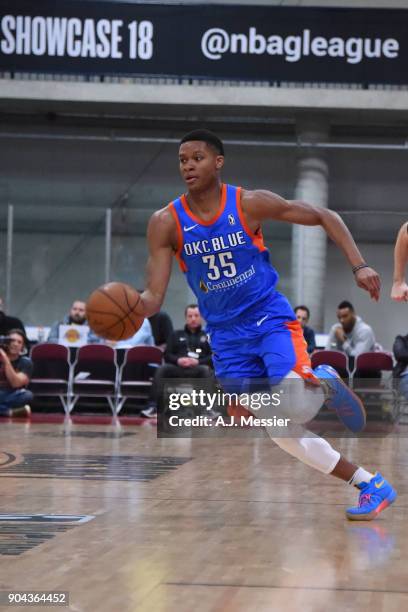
51,373
335,359
370,381
95,374
135,377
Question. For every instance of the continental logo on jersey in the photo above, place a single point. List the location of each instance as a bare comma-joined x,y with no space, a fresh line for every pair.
203,286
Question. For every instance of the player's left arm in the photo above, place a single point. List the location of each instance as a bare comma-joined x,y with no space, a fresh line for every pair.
399,291
261,205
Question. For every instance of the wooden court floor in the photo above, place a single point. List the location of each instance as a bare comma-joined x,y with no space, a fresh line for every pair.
128,522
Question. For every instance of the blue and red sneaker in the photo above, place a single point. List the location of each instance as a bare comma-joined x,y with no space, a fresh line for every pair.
375,496
348,406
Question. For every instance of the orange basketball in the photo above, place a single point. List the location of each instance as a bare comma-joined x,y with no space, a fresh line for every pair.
111,311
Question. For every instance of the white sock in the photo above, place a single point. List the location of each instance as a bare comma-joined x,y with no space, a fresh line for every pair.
359,476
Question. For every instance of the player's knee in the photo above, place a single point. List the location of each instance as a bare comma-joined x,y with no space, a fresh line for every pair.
300,402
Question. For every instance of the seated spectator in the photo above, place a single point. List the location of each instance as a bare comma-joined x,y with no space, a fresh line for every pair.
162,327
76,316
351,335
7,323
188,355
15,373
303,315
400,349
144,335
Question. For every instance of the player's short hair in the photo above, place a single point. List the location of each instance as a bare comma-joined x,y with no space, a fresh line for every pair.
305,308
346,304
205,136
188,307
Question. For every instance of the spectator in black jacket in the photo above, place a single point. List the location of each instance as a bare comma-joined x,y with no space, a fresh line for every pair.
188,355
8,323
162,328
400,349
303,315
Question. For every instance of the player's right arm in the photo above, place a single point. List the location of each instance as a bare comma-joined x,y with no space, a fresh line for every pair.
399,291
161,238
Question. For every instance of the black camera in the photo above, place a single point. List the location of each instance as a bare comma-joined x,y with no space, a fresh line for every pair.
5,342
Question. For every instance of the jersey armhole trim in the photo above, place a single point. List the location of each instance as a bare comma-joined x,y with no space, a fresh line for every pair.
180,240
257,239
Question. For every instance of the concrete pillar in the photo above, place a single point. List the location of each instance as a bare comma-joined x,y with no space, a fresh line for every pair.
309,243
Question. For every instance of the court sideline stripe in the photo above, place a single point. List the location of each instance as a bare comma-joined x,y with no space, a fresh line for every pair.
288,588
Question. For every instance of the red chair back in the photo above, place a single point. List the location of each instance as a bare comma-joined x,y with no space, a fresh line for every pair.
374,362
97,352
144,354
335,359
97,359
49,351
138,362
50,361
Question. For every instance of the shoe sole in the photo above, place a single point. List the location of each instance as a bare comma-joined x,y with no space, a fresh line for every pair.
374,513
355,417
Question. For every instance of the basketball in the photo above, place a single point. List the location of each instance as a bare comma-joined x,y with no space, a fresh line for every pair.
111,311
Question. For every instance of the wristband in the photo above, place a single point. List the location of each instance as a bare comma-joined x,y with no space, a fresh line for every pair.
355,269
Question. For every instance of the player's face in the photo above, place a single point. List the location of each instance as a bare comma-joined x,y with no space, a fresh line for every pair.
193,318
78,312
347,318
301,316
199,164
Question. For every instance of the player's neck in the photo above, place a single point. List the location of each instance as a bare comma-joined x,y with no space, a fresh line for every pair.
206,202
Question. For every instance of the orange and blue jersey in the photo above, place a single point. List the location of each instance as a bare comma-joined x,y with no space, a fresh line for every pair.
252,328
227,266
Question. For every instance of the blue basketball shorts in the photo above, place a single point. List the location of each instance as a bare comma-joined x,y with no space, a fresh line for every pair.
264,346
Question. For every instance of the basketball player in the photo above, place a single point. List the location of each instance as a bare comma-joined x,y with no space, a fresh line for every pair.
399,291
214,230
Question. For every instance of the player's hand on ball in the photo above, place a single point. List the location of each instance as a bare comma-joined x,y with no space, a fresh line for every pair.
114,311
